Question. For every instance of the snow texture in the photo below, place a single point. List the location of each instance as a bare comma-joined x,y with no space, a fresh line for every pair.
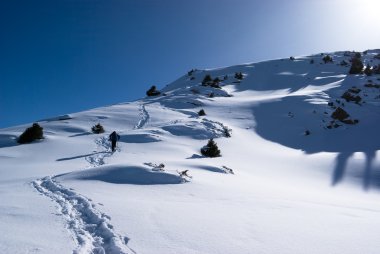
291,178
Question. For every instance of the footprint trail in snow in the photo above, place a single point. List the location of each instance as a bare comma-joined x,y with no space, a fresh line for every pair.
144,117
91,228
97,159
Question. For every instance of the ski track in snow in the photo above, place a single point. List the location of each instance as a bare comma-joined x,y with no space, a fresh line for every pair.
144,117
91,228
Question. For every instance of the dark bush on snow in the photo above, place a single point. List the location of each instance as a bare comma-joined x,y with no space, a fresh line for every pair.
356,65
349,97
239,75
207,79
368,70
97,128
327,59
211,149
189,73
340,114
30,134
153,91
292,58
201,112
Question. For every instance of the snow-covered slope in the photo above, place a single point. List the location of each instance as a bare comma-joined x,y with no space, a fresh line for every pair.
291,178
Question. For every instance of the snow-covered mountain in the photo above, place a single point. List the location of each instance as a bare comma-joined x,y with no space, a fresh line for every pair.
299,170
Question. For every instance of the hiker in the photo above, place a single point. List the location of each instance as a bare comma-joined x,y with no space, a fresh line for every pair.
114,137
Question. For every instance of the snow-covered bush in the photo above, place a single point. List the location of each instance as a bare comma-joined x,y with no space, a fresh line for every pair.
227,131
211,149
97,128
31,134
153,91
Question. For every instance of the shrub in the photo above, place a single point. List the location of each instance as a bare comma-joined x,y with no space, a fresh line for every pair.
97,128
239,75
152,91
357,55
227,131
349,97
356,65
292,58
211,149
327,59
189,73
206,79
368,70
201,112
340,114
31,134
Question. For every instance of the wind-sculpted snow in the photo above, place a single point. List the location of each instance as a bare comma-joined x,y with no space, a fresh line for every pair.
201,129
7,140
91,229
120,174
291,176
139,138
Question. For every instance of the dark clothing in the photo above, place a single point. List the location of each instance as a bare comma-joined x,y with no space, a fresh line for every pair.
113,143
114,138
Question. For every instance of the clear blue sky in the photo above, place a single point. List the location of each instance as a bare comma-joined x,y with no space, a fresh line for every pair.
59,57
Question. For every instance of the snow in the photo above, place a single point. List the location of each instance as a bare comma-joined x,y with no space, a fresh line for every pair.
288,193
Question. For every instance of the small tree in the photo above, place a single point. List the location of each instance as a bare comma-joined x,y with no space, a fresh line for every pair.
201,112
206,79
211,149
239,75
356,65
31,134
97,128
152,91
327,59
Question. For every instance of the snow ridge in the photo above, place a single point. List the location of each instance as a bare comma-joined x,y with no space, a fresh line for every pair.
144,117
91,229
